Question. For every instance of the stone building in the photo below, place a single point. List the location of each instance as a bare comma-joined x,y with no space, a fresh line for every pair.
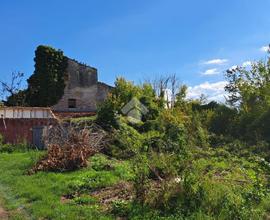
83,91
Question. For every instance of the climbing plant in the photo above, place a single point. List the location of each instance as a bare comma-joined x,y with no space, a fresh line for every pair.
46,85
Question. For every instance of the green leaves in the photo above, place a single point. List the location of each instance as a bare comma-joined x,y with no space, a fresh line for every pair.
46,85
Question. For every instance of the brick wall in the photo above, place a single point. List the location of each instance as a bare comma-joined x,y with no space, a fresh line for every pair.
18,130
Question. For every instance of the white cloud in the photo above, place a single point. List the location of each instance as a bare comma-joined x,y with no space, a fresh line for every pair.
216,61
213,71
233,68
213,91
265,48
247,63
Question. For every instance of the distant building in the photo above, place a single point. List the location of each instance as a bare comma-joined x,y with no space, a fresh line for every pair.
82,95
25,124
83,91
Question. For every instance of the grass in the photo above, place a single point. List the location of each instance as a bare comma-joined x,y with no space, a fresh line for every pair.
222,184
39,196
87,119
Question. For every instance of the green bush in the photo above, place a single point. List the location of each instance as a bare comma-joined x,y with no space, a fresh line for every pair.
10,148
107,114
127,141
121,208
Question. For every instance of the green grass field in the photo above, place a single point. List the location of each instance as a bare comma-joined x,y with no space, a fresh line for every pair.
224,185
39,196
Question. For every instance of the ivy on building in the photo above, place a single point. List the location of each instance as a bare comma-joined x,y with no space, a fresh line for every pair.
46,85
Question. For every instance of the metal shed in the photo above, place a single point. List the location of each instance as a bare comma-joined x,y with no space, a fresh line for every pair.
25,124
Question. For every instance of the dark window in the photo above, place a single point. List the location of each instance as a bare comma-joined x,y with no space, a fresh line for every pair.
72,103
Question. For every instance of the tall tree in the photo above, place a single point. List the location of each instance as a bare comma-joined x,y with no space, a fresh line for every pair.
249,92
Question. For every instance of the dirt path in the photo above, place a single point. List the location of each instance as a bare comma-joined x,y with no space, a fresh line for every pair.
3,213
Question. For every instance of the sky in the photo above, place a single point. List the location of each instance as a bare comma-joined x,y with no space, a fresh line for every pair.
139,40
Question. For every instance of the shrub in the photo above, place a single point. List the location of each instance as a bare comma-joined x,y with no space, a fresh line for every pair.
121,208
6,148
10,148
107,114
127,141
141,181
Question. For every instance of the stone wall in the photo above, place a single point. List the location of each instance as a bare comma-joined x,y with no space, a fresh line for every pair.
82,85
80,75
102,92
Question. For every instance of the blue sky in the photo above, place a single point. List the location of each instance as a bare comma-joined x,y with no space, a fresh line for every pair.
197,40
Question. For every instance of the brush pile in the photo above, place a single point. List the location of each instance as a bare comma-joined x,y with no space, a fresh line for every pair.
70,147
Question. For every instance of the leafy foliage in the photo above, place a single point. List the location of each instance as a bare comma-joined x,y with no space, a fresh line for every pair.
46,85
188,160
249,93
196,160
12,89
122,94
11,148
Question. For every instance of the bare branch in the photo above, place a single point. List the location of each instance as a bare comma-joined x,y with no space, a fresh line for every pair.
12,87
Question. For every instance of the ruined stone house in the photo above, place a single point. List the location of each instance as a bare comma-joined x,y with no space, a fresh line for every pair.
82,94
83,91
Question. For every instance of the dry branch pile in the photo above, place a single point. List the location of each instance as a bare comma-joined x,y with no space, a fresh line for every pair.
69,147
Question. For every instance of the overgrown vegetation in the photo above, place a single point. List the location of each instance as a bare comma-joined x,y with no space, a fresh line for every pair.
10,148
180,160
195,160
45,86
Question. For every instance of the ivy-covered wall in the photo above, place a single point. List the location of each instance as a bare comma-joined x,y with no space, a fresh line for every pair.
56,80
46,86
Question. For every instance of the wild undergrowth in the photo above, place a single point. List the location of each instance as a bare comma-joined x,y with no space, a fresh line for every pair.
188,160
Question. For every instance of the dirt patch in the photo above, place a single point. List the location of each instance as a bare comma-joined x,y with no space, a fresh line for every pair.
121,191
3,213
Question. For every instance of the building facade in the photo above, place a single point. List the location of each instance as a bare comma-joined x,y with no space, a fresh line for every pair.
83,91
25,124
